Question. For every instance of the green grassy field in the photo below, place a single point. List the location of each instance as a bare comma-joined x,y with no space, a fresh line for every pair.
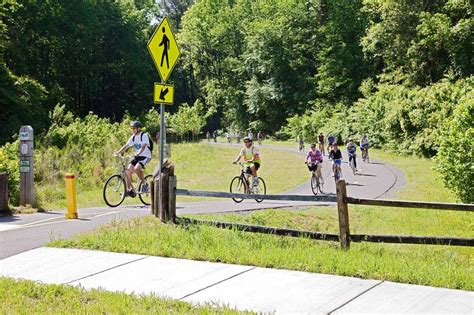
26,297
443,266
198,166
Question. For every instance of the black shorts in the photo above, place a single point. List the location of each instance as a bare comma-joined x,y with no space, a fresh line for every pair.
312,166
143,160
249,171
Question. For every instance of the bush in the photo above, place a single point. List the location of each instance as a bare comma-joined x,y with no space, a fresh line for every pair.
10,164
455,159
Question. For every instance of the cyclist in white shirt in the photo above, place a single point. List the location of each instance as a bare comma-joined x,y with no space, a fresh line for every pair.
141,143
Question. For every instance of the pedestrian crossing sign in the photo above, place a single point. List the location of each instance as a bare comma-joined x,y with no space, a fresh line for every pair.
163,49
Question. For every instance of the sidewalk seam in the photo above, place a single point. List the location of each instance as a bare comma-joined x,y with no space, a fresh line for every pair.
355,297
105,270
218,282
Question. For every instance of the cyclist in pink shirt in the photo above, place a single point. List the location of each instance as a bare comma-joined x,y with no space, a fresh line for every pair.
314,160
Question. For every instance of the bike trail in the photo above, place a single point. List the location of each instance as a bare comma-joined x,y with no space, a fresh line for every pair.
20,233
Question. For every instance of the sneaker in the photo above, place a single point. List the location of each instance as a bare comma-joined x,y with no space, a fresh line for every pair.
131,193
144,188
255,181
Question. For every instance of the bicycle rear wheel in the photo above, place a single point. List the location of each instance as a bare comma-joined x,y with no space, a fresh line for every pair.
314,184
321,184
260,189
237,186
145,197
114,190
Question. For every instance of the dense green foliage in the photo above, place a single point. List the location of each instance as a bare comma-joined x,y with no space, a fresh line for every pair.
393,69
456,152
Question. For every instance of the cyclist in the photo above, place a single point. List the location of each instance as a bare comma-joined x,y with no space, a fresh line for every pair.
214,135
321,143
250,135
351,152
364,145
208,136
314,160
260,137
336,156
331,141
300,143
141,144
229,137
251,159
237,135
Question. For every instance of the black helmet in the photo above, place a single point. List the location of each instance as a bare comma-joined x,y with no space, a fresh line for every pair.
136,124
313,145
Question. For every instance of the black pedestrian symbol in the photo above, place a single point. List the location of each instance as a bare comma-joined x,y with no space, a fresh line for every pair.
165,42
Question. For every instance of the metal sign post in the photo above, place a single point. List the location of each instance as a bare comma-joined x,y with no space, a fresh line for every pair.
27,189
162,134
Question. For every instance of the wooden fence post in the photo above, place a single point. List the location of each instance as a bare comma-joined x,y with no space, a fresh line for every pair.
172,199
152,196
163,197
343,213
3,192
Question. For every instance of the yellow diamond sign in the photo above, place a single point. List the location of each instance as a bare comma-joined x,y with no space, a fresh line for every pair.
163,49
164,94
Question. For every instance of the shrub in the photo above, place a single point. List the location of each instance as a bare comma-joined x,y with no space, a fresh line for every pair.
455,159
10,164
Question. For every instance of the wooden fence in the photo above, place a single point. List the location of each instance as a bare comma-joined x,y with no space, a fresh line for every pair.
167,212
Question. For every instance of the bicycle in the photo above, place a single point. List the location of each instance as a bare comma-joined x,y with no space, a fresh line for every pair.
317,182
241,185
352,164
115,189
365,155
337,170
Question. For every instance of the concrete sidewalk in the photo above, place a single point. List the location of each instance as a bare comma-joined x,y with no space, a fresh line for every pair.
242,287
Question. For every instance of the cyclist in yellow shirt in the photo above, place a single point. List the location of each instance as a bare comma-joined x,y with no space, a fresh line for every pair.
251,159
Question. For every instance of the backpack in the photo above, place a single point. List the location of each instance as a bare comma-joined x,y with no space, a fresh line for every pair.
150,141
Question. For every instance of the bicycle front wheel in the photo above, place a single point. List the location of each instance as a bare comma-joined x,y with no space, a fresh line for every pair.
114,190
237,186
145,196
260,189
314,184
321,184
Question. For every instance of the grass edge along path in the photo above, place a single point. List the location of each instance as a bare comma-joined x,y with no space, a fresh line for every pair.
24,296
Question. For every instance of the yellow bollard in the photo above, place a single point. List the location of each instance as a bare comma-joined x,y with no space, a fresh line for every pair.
71,196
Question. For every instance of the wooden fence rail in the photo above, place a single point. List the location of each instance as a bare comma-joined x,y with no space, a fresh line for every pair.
342,200
403,239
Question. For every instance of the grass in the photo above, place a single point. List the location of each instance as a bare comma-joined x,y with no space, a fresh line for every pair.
427,265
22,297
198,166
442,266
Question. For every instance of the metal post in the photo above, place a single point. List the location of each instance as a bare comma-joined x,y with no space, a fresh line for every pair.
27,189
162,134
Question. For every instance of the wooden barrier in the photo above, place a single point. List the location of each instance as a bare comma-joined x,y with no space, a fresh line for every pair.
342,201
3,192
164,193
343,214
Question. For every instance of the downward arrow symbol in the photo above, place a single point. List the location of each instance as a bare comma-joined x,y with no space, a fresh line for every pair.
163,94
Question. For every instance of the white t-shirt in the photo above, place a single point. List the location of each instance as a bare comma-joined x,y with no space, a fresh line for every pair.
136,142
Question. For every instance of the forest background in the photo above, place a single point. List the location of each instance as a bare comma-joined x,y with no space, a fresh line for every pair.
399,71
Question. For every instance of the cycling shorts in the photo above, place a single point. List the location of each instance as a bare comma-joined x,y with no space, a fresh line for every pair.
249,165
313,166
337,162
143,160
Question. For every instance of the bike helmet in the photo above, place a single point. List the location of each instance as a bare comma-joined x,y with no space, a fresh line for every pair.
135,124
313,145
247,139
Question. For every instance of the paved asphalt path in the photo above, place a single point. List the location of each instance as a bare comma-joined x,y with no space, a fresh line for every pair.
20,233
